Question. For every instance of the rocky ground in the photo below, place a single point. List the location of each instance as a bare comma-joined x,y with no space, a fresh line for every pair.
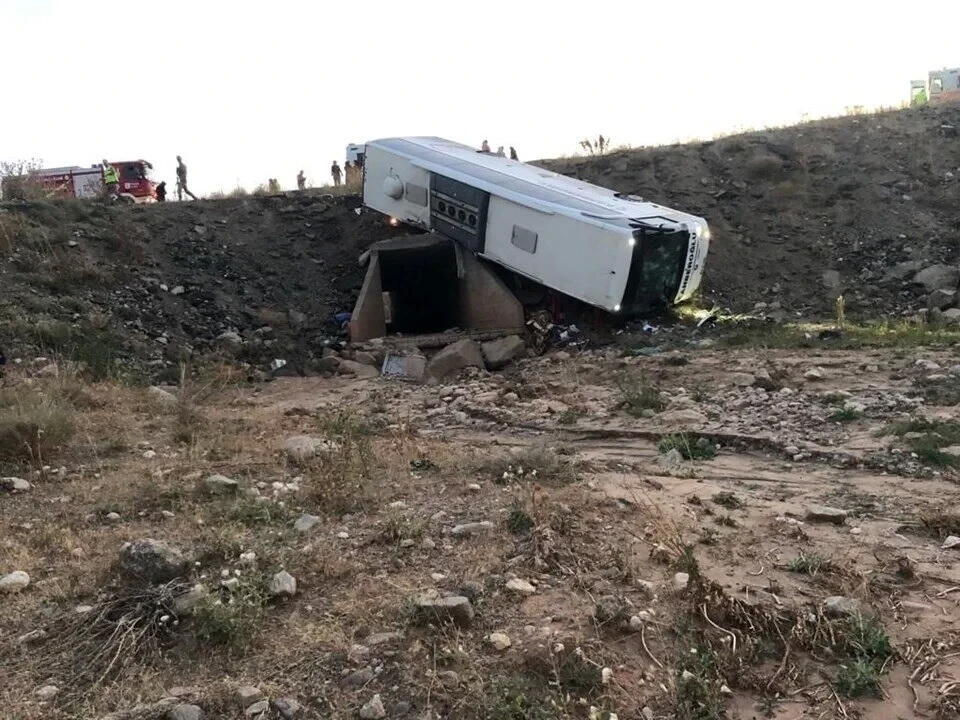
700,534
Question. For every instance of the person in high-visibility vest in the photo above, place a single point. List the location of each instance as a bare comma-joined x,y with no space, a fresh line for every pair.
111,180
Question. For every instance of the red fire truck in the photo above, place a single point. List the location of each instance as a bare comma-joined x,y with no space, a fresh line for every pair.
136,186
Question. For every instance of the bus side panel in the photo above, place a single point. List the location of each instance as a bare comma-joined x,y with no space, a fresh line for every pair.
414,205
578,258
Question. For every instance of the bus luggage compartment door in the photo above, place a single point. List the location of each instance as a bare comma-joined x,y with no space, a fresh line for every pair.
459,211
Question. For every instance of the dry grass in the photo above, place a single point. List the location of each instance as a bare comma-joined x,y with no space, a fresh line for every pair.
35,423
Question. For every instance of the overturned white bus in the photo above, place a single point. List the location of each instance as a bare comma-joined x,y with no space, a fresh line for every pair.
614,251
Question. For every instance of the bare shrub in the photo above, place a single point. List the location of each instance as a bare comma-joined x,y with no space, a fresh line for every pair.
33,425
13,226
341,474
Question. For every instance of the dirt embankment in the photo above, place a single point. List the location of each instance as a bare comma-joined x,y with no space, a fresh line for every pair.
160,283
853,205
788,207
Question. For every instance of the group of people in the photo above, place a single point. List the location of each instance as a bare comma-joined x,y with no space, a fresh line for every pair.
485,148
351,173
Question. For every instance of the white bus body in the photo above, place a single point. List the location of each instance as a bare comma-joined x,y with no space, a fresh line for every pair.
616,252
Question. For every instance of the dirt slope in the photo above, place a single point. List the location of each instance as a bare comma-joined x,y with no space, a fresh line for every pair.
854,194
159,282
798,214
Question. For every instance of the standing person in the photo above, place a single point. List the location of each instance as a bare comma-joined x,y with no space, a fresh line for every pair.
301,181
484,147
513,153
336,173
161,191
500,152
182,180
111,181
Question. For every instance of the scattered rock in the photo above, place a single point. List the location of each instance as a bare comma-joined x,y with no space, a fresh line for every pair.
163,398
32,636
366,358
287,707
470,529
837,606
670,460
814,374
185,603
521,587
942,299
247,695
500,353
938,277
185,711
359,678
681,580
456,609
449,679
823,513
373,709
283,584
305,522
951,541
499,641
357,369
14,484
152,560
610,608
682,417
257,710
220,485
383,638
454,358
14,582
301,448
229,341
47,692
952,316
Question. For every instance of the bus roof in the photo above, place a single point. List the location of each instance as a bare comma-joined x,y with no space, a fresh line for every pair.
530,185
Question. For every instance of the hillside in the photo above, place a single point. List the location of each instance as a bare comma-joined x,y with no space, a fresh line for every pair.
854,205
855,195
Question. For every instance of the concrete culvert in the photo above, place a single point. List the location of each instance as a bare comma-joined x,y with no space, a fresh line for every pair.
427,284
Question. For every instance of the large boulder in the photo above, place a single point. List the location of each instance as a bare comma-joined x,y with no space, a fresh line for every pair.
951,316
300,448
500,353
14,582
456,609
942,299
454,358
938,277
357,369
152,560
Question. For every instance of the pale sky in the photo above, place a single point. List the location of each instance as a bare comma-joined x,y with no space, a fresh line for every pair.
251,90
